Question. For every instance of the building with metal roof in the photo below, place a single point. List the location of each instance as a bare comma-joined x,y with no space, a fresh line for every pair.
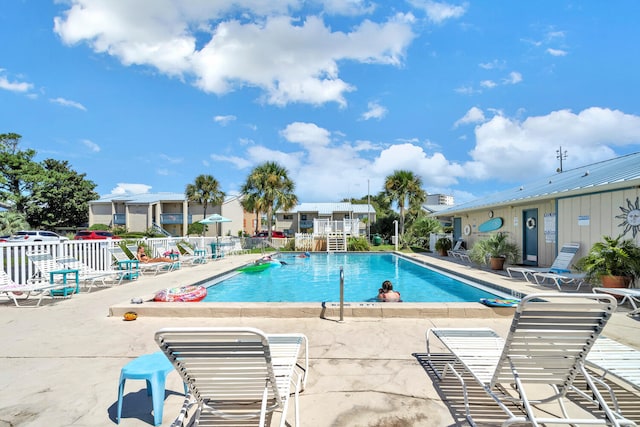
578,205
300,218
170,213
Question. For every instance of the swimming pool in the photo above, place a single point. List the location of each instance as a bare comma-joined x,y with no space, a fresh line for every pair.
317,279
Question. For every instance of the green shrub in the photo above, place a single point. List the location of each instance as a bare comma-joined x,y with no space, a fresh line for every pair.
357,244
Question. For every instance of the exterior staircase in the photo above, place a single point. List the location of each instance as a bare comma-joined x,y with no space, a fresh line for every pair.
336,242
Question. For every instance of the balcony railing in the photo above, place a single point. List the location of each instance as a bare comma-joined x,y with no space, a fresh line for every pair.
119,219
173,218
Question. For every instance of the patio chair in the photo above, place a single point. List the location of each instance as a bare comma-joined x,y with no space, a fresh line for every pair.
156,267
49,270
627,294
560,279
23,291
548,342
561,264
611,358
184,258
198,256
236,376
90,276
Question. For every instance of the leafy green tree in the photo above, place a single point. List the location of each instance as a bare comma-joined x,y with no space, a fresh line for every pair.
11,221
405,189
18,172
59,197
270,188
205,191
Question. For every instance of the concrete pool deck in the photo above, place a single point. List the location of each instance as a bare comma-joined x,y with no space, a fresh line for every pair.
61,362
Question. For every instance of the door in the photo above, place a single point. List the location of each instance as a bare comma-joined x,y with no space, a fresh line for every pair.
530,237
457,229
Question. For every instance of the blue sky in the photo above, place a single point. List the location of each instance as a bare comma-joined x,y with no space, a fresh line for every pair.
474,97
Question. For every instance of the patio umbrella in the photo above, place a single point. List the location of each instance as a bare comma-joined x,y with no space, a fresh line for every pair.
214,219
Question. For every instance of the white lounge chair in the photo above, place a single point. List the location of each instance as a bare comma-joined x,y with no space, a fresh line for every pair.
123,259
197,256
236,376
560,279
90,276
611,358
49,270
548,342
22,292
627,294
562,263
184,258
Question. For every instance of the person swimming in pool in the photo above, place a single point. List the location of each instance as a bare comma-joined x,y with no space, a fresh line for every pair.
386,292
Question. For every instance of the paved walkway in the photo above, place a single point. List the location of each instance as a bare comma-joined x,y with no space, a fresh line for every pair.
61,362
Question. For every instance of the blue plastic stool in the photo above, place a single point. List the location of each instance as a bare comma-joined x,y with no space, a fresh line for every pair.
153,368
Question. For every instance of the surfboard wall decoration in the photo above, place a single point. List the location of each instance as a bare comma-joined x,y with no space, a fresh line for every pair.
491,225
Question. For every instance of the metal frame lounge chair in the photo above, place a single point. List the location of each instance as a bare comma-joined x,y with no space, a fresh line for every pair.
21,292
611,358
548,342
236,376
560,279
49,270
561,264
198,256
91,276
122,258
627,294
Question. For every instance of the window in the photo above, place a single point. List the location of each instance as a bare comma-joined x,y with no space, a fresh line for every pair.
303,217
287,217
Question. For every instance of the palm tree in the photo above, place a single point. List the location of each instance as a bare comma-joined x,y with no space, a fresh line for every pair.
405,189
269,188
205,190
11,221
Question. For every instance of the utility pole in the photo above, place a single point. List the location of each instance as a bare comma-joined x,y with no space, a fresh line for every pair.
561,156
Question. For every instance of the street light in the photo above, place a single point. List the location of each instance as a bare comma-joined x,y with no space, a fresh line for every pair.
395,224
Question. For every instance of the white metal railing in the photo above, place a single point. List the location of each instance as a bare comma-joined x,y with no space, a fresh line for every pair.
94,253
328,226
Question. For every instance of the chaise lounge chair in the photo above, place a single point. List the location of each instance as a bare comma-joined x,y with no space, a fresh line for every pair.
21,292
611,358
90,276
560,279
548,342
627,294
562,263
236,376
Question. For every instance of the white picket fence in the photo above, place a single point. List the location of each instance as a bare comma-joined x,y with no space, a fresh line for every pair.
95,254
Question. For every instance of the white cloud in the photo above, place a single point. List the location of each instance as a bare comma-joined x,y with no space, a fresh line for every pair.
309,135
126,188
224,120
513,78
68,103
91,145
438,12
238,162
489,84
556,52
14,86
172,160
492,64
474,115
514,151
291,61
375,111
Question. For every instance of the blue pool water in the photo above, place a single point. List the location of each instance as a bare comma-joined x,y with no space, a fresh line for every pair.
317,279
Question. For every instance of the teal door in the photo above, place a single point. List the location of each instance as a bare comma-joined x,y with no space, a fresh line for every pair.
457,229
530,237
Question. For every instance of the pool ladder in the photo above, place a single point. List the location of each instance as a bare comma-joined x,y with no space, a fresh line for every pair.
341,294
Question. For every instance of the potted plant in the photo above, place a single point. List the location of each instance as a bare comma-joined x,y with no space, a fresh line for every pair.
495,251
443,245
614,262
